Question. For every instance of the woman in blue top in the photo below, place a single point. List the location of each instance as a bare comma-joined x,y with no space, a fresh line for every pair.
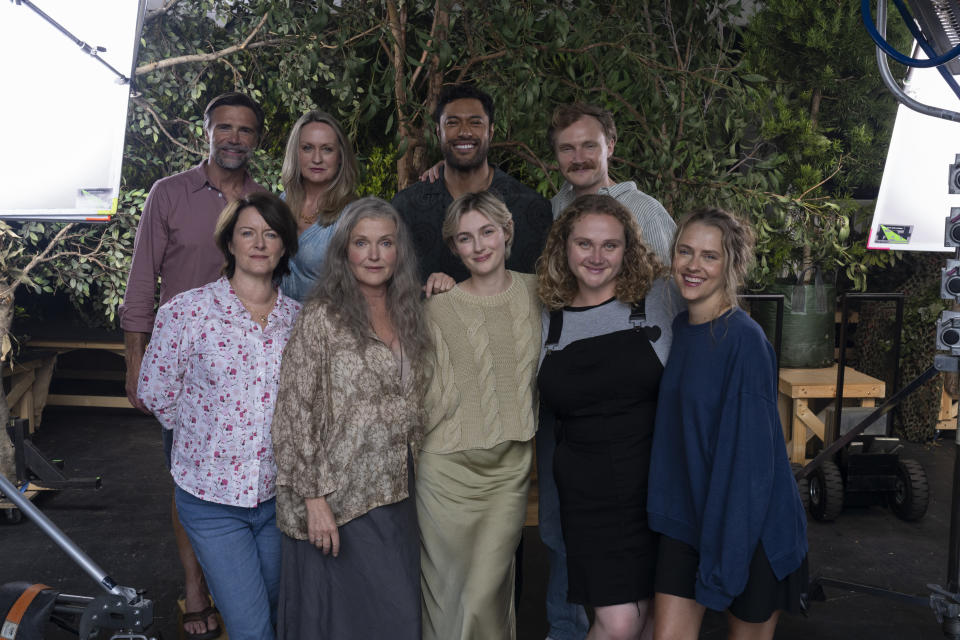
319,178
721,490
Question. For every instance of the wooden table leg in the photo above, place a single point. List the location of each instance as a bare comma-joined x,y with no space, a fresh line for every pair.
798,432
41,388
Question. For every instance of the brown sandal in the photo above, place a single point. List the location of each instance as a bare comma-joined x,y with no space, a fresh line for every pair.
204,617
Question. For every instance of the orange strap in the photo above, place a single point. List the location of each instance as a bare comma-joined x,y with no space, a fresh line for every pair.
15,615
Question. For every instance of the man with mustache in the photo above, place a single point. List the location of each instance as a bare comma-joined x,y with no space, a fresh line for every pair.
464,117
175,243
583,137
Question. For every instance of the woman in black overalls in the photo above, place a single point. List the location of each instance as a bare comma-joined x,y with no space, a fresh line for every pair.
607,327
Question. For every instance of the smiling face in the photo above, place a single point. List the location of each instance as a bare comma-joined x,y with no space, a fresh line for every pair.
699,271
582,153
256,247
319,154
372,253
480,243
595,250
232,133
465,133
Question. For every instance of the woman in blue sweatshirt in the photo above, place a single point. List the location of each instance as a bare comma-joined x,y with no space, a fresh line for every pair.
721,491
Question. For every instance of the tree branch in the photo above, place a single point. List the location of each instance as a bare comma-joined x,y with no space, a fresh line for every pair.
426,49
143,104
169,4
40,258
824,181
522,150
215,55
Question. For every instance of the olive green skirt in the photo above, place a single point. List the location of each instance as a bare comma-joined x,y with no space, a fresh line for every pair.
471,506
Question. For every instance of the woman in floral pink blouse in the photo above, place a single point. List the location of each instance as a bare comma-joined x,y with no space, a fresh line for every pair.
210,374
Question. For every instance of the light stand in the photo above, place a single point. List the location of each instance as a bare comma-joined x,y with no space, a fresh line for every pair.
121,608
937,23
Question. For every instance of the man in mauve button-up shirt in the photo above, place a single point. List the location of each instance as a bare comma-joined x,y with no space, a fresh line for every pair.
175,244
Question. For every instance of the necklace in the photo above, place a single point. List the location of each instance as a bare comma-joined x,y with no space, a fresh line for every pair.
257,311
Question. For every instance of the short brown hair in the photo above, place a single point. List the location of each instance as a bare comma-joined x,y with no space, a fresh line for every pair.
557,286
274,212
566,114
234,99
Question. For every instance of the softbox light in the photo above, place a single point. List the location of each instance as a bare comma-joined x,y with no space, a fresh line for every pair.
63,114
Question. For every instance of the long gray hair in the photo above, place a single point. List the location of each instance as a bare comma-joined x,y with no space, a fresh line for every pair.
338,287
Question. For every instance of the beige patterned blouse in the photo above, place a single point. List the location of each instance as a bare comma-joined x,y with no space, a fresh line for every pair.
342,423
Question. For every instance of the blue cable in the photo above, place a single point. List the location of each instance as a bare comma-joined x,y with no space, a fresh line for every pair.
893,53
927,49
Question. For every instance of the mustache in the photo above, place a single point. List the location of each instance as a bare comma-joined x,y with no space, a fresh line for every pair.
578,166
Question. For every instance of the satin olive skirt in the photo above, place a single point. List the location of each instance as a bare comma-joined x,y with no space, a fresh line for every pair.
471,506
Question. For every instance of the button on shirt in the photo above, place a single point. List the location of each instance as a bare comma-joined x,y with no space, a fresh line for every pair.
210,373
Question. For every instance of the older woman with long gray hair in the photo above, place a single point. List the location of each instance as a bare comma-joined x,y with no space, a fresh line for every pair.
348,416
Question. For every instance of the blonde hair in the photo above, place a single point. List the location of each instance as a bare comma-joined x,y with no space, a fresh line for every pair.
341,191
557,286
738,243
485,203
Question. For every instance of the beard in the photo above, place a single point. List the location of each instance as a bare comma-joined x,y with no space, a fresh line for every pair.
454,161
231,163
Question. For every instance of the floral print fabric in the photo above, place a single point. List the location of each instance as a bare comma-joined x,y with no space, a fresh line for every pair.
210,373
344,419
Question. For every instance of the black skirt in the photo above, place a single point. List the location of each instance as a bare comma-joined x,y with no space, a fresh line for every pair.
370,590
763,595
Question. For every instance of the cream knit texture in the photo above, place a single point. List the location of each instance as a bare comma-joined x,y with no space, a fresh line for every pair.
481,378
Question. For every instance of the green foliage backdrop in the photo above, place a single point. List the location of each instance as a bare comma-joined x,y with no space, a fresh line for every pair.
713,107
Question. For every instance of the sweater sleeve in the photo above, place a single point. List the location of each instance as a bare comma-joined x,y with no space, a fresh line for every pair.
740,482
441,398
300,431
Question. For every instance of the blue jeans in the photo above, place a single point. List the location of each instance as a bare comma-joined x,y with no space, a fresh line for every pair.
567,621
239,550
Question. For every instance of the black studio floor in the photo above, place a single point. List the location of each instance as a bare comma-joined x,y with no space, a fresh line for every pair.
125,528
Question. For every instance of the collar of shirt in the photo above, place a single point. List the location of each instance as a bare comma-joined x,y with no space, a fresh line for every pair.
227,304
614,190
197,179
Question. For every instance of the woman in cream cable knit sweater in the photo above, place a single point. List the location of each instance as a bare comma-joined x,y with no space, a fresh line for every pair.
474,467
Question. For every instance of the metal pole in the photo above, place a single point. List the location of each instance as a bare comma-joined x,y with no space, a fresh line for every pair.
59,537
953,558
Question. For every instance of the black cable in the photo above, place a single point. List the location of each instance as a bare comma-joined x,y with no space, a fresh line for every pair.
86,48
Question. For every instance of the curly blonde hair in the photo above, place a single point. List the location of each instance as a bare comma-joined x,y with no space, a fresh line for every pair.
557,286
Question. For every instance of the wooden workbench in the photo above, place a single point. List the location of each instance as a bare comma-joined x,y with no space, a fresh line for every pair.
30,376
32,370
797,386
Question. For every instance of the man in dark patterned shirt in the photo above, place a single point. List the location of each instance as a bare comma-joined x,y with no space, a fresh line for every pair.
464,117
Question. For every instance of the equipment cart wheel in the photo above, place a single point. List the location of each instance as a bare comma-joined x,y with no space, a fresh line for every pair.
826,492
803,485
911,494
12,515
